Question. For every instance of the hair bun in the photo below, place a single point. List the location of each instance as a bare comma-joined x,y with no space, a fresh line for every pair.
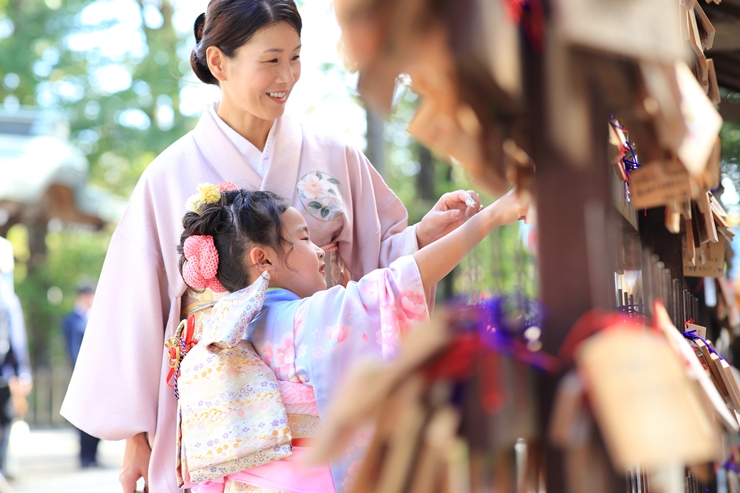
200,23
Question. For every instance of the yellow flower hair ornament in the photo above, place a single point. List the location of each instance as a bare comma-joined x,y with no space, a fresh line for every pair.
207,194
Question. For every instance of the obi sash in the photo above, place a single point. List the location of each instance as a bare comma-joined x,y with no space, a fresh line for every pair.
232,415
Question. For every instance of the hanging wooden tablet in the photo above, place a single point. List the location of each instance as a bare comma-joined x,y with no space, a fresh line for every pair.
714,265
702,72
570,424
656,184
377,83
363,30
707,217
444,135
730,383
662,103
687,246
702,121
432,72
719,381
400,424
694,37
700,331
673,217
443,465
683,18
705,28
713,92
647,409
497,40
711,176
695,371
715,360
633,28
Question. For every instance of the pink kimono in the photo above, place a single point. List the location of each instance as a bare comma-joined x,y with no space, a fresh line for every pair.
118,387
309,344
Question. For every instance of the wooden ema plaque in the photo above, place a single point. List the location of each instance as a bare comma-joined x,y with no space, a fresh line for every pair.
714,266
658,184
647,408
694,368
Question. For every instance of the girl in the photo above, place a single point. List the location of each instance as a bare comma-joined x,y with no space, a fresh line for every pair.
251,50
306,333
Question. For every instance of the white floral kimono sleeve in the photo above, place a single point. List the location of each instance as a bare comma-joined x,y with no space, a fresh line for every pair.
367,319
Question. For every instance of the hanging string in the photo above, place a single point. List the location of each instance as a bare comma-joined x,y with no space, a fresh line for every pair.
629,159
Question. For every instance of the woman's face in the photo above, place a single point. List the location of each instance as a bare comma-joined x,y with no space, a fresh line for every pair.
261,75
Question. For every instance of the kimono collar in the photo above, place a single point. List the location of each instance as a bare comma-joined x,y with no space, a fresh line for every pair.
281,159
232,314
277,295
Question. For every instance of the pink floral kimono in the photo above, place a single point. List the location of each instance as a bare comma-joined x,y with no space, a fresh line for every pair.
309,344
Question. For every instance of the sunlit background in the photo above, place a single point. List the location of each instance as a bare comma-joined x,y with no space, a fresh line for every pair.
92,91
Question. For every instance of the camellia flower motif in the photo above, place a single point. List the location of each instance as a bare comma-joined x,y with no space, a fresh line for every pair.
313,187
321,195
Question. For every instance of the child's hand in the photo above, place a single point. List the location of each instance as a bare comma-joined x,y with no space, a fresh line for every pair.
508,208
448,214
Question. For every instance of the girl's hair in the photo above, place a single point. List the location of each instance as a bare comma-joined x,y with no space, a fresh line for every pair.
229,24
238,222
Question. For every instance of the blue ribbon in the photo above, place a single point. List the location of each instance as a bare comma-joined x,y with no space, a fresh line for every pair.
691,334
503,329
629,162
731,466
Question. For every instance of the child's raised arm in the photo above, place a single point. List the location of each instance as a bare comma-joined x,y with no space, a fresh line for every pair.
437,259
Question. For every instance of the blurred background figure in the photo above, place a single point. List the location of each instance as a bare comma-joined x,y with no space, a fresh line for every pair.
15,369
73,327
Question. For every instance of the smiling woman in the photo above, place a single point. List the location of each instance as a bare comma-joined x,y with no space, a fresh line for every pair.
251,50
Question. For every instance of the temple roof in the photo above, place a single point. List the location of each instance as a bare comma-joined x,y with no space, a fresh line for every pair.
43,176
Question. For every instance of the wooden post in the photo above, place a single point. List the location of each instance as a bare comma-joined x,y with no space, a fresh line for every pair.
576,237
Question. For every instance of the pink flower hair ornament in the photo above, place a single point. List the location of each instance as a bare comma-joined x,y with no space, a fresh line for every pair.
201,263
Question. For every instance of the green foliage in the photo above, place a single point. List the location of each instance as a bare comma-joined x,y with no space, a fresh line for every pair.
500,264
119,131
47,292
730,135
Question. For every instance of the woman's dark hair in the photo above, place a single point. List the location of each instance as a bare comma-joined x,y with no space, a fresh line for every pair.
238,222
229,24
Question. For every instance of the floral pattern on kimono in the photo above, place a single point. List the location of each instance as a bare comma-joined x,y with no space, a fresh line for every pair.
321,195
314,340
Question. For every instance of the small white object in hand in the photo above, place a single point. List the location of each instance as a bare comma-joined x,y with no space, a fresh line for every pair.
470,201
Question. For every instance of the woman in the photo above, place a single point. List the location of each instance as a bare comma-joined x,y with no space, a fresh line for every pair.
251,50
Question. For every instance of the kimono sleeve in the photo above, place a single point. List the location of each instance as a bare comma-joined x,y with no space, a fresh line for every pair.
376,241
366,319
114,391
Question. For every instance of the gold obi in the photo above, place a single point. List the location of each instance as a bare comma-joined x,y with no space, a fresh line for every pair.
201,304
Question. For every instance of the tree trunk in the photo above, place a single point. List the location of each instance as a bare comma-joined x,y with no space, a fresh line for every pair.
375,151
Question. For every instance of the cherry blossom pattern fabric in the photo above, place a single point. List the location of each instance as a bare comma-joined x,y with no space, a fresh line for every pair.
313,341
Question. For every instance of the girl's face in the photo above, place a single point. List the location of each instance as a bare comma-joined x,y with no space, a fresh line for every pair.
301,271
262,73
